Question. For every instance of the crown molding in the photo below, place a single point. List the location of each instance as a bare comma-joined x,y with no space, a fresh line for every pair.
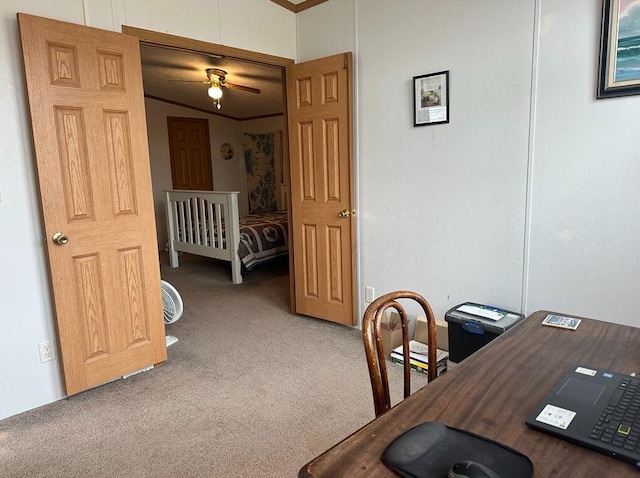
292,7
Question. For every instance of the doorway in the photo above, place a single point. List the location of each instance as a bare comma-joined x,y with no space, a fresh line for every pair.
323,145
254,65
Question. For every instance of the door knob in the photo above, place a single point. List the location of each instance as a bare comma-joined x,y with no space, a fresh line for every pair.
345,213
60,239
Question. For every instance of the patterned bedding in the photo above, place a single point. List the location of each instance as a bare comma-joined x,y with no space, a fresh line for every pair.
206,223
263,237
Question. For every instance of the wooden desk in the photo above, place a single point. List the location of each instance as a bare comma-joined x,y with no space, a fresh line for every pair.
492,392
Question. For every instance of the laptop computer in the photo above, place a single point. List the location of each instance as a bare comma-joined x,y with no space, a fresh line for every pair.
594,408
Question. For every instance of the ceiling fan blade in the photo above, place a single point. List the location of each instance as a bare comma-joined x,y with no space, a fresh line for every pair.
248,89
190,81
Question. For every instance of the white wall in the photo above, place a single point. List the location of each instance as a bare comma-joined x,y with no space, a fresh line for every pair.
528,199
454,230
255,25
327,29
27,316
585,221
440,208
258,25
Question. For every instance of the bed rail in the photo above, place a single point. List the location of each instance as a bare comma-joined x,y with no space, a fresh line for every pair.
204,223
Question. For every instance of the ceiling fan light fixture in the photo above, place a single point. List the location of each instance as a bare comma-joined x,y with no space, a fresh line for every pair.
215,91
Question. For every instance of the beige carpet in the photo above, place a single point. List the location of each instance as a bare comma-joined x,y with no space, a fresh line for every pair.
248,390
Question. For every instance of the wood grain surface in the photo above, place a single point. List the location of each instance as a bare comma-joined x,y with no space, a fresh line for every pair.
492,392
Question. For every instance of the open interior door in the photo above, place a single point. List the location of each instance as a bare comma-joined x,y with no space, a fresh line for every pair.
319,105
90,140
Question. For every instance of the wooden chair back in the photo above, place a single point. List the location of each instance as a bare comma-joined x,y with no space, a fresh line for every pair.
372,337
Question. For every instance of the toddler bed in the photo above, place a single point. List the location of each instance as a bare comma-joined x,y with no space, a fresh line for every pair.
206,223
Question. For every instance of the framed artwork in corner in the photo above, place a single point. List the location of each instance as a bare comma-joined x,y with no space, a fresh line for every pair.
619,68
431,99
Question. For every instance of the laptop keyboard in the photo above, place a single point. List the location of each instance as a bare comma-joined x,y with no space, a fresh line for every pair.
619,424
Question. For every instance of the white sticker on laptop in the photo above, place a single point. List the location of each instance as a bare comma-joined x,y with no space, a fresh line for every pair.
556,416
586,371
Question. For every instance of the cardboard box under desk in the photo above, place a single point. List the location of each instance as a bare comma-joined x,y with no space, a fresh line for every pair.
391,331
442,332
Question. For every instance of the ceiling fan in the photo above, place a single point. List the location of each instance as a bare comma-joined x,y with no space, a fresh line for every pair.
217,81
218,76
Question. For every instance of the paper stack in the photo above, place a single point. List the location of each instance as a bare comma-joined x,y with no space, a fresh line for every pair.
419,358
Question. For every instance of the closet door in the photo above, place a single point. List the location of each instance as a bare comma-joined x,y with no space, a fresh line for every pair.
190,151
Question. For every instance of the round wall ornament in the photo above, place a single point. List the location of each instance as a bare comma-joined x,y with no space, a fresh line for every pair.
226,151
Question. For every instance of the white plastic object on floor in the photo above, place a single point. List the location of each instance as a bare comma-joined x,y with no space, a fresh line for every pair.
171,340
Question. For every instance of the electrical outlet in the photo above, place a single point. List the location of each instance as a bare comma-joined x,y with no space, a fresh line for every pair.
369,294
47,352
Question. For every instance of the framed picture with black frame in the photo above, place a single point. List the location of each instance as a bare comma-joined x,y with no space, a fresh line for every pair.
431,99
619,68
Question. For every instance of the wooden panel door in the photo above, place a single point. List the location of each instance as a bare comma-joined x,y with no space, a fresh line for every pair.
319,96
190,152
90,140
